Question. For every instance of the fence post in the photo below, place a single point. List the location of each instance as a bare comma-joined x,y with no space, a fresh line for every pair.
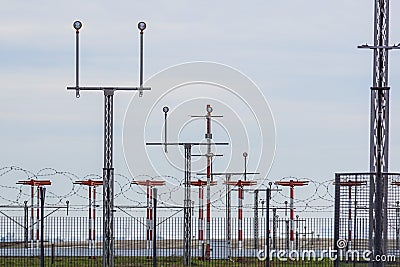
42,191
52,253
256,220
287,236
154,227
267,227
26,224
337,217
274,227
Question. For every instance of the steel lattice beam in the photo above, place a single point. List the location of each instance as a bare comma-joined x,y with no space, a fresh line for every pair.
379,130
187,208
108,178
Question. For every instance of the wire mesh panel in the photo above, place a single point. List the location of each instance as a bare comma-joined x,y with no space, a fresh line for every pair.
354,208
67,243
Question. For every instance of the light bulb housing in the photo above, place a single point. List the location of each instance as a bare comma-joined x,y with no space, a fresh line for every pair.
245,154
141,26
209,109
77,25
165,109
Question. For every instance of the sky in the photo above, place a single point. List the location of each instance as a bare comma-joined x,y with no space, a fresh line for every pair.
302,55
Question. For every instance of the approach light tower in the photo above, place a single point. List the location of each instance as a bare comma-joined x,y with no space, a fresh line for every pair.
350,184
209,155
149,184
91,184
379,130
201,184
240,185
38,184
292,184
108,169
187,210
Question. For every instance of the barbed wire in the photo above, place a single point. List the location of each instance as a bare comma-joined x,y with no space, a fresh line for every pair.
316,196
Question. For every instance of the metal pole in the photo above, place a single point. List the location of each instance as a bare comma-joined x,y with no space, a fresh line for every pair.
209,158
150,214
397,226
90,217
337,217
379,131
200,223
274,227
187,208
42,198
355,233
297,232
77,64
256,219
26,223
262,207
155,227
287,236
108,180
378,245
245,165
240,217
165,110
349,222
141,59
32,215
94,216
37,216
267,227
228,215
291,218
148,199
165,132
52,253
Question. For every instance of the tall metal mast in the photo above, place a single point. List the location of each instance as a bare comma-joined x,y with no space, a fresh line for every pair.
108,169
379,129
209,155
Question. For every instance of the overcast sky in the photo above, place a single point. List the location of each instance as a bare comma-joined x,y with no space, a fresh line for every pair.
301,54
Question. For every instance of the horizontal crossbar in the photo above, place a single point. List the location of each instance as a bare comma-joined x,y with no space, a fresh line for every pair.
183,143
113,88
228,173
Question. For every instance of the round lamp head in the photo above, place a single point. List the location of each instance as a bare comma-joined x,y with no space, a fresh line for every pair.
77,25
141,26
165,109
245,154
209,109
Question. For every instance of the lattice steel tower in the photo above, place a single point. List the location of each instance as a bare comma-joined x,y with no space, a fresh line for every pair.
379,129
108,169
